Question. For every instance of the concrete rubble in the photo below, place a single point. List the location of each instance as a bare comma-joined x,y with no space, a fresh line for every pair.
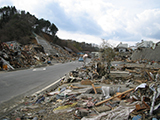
130,92
16,56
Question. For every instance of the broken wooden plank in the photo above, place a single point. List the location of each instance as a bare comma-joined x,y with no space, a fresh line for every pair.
146,104
94,88
114,96
132,71
98,87
77,87
86,82
149,75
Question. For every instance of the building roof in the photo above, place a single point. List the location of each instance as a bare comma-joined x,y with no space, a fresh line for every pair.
122,45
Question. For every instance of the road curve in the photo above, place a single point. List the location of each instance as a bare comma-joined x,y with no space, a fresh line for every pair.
20,82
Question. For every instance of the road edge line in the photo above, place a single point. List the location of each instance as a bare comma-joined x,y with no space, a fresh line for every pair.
49,86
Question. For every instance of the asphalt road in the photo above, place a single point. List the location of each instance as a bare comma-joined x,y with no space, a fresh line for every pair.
17,83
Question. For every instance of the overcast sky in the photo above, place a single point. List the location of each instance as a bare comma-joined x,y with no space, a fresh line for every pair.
90,21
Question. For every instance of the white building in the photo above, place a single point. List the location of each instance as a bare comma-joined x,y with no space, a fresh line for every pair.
122,47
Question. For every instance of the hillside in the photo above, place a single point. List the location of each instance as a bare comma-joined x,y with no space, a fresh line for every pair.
20,26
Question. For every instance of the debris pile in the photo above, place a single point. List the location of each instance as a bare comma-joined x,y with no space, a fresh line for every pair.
150,54
87,93
15,56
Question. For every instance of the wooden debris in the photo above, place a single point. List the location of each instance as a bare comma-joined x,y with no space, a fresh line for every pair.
86,82
94,88
114,96
132,71
76,87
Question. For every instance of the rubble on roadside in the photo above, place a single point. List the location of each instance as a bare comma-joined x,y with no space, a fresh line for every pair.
25,56
132,91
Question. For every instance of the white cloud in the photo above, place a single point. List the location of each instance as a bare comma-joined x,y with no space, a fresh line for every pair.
80,37
32,6
112,17
104,13
145,24
25,5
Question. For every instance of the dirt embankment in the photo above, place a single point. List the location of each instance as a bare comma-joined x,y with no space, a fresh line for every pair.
147,53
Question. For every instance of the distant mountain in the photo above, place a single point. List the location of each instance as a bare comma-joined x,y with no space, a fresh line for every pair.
20,26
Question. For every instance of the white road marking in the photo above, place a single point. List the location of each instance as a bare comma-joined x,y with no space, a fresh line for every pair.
39,69
48,86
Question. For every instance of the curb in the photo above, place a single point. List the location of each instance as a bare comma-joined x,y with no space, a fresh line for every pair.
52,86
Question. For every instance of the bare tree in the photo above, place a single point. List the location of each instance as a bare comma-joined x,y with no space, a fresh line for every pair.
107,54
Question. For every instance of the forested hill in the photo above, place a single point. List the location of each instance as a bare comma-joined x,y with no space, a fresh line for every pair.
20,26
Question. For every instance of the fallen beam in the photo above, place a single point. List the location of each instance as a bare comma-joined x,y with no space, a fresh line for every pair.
7,63
114,96
94,88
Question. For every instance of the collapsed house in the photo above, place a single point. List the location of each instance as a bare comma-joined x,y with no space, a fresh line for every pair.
122,51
